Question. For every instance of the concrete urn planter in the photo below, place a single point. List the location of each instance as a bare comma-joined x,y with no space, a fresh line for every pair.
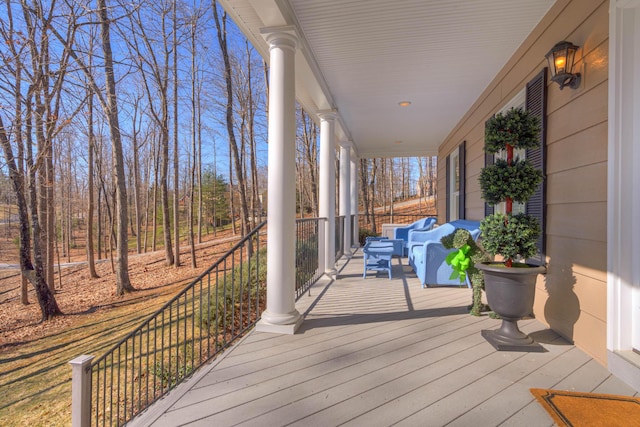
510,294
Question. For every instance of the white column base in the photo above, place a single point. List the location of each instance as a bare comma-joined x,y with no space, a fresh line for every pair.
280,324
331,273
626,366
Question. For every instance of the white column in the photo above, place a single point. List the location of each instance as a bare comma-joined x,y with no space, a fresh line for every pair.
327,202
281,315
623,201
354,198
345,194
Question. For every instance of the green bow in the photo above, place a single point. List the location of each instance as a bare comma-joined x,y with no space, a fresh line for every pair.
459,262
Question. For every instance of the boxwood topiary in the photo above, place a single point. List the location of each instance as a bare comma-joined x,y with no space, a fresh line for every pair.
500,180
511,236
508,235
515,127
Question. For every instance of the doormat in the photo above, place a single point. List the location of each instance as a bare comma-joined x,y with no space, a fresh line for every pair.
575,409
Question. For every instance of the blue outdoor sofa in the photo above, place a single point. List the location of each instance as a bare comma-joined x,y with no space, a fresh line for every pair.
427,255
402,233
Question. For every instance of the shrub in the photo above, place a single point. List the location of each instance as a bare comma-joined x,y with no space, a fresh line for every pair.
363,234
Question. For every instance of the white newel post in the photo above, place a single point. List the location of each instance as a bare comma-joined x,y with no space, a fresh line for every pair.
327,191
354,199
281,315
81,391
345,194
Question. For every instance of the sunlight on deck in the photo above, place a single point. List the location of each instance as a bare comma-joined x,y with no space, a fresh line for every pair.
381,351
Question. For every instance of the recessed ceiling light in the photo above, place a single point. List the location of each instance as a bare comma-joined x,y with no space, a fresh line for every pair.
404,103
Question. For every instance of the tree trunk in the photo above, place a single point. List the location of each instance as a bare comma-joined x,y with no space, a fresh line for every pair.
136,175
194,126
164,195
155,199
24,289
33,272
391,189
372,202
100,228
200,201
90,184
364,189
311,159
176,165
252,141
122,260
222,40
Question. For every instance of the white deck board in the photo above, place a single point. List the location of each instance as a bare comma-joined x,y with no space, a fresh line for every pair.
381,351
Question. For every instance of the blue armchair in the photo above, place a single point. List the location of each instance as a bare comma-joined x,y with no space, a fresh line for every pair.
427,255
402,233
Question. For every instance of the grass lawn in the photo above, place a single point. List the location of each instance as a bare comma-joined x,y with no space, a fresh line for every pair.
35,375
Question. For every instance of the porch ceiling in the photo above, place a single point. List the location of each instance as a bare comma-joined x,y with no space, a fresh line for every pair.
363,57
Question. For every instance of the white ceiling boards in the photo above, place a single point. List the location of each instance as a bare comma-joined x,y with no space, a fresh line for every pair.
364,57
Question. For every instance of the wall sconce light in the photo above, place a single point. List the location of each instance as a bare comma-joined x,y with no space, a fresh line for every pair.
561,60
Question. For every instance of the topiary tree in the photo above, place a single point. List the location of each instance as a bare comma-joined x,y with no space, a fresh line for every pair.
511,236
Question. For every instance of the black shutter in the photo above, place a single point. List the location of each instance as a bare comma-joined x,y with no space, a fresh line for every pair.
536,205
488,161
463,176
448,174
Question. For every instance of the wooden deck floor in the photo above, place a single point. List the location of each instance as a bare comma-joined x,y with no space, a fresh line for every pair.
380,352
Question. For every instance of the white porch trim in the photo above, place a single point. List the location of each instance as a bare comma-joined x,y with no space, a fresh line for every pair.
623,206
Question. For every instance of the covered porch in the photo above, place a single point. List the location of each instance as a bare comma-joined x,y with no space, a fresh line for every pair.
381,352
393,79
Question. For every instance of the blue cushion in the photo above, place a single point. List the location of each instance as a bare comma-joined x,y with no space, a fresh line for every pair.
427,255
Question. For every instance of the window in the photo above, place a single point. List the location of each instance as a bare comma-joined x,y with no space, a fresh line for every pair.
456,183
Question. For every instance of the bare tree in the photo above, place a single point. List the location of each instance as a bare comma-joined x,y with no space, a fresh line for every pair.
123,283
30,58
222,41
251,113
45,90
372,191
196,131
90,187
32,271
307,164
391,188
176,163
154,70
109,102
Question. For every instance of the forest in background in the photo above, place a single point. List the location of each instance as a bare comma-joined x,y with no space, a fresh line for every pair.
135,127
